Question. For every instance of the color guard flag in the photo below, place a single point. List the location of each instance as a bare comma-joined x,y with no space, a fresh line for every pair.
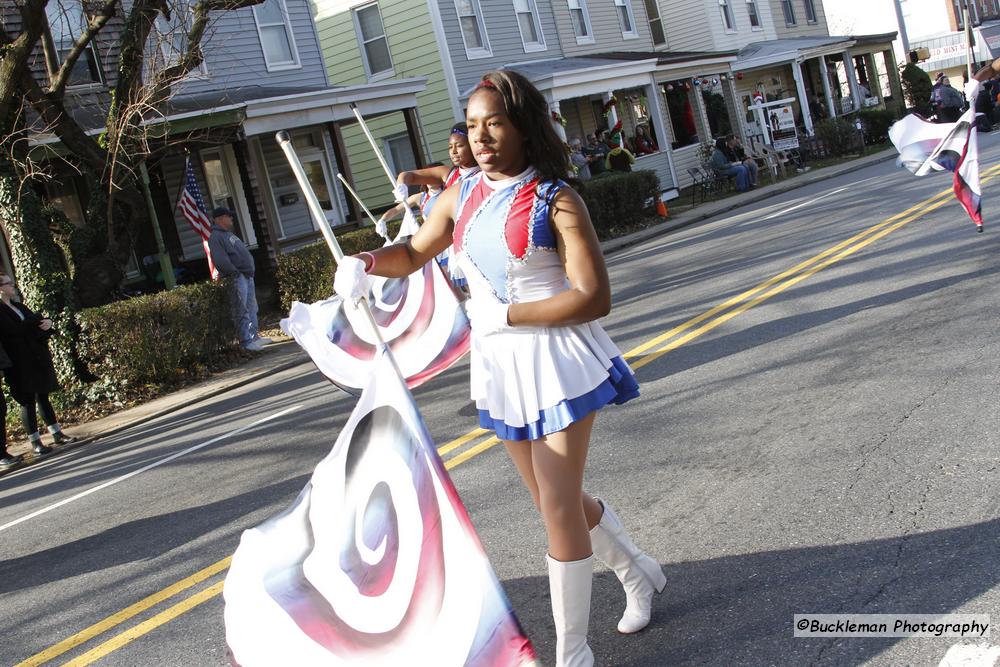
376,563
925,147
419,316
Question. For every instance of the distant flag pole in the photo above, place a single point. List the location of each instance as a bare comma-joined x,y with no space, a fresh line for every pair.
378,152
192,207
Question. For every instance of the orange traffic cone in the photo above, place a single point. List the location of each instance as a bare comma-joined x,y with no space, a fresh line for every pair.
661,208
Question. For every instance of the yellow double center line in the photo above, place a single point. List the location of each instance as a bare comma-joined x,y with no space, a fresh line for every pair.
638,357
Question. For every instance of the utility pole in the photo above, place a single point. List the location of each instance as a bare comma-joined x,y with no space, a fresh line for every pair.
901,22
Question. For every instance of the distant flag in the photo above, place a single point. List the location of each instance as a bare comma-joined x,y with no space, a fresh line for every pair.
419,316
192,207
376,563
925,147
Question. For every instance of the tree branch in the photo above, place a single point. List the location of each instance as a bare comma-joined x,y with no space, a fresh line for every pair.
94,25
17,53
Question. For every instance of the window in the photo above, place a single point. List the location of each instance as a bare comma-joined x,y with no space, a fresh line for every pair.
371,37
727,16
66,23
527,23
754,16
810,11
655,24
275,32
172,36
626,19
470,18
786,7
581,21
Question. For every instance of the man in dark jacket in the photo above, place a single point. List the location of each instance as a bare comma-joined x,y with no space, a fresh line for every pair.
235,263
945,100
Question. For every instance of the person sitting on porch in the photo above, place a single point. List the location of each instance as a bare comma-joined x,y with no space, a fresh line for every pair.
644,145
736,153
723,166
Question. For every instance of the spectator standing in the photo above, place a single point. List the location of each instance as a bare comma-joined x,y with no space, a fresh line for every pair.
31,374
595,152
7,460
235,263
723,166
945,100
736,153
578,160
817,108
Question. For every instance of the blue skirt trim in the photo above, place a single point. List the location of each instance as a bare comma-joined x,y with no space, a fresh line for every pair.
619,387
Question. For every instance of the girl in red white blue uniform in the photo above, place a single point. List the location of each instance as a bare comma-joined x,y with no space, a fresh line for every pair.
541,366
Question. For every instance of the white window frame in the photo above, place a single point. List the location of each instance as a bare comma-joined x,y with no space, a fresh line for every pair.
627,6
581,6
811,9
728,20
788,10
235,184
58,6
382,74
754,13
650,19
165,28
296,62
530,47
475,52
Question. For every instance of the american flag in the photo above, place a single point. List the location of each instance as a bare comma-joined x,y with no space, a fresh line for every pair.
192,206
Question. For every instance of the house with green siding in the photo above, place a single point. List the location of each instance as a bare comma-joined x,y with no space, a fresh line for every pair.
374,41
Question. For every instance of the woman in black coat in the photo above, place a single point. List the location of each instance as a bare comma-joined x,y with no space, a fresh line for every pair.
8,460
32,375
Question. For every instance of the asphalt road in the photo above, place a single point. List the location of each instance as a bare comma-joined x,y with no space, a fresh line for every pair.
825,444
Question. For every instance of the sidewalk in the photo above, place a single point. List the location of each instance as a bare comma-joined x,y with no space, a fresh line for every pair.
286,354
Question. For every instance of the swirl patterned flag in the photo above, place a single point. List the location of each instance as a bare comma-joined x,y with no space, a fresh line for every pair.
419,316
375,563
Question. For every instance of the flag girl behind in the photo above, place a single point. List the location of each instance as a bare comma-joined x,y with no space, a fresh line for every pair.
541,366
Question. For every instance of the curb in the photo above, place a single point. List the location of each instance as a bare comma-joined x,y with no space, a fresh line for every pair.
609,246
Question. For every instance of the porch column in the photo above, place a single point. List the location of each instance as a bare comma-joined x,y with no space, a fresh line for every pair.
803,101
254,154
414,134
656,105
340,155
894,83
824,74
700,114
556,125
852,80
737,115
874,85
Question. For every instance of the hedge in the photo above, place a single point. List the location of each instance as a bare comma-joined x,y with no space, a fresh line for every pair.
614,200
306,274
876,124
154,339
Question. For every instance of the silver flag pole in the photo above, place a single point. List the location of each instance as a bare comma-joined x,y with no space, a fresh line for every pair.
350,190
285,141
377,151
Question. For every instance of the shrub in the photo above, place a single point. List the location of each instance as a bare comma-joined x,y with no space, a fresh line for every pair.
306,274
837,134
619,199
876,123
917,89
153,339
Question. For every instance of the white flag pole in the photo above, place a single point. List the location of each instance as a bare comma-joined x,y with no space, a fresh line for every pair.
347,186
285,141
377,151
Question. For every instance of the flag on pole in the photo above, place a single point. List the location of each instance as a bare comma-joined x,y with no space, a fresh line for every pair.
376,563
192,207
420,317
925,147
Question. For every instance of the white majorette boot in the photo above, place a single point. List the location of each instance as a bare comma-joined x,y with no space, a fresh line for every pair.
640,575
569,585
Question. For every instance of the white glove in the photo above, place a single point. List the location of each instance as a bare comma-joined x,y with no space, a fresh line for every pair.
401,192
972,87
487,317
382,228
350,281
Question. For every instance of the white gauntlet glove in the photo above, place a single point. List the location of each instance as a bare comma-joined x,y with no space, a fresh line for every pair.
401,192
382,228
487,317
350,281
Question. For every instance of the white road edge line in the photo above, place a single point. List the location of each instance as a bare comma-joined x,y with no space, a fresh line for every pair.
805,203
152,465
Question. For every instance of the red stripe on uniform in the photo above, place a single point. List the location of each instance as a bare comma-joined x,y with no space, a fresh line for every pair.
476,197
518,225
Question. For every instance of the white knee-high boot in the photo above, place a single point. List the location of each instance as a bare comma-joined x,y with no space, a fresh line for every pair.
570,584
640,575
